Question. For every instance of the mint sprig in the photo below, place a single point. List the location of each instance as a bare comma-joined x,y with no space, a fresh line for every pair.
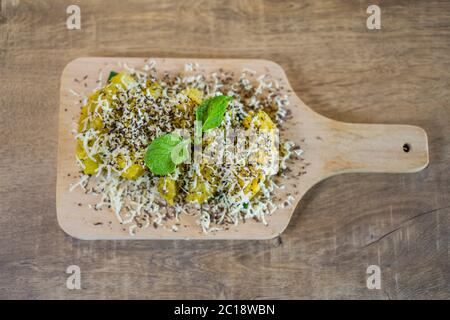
211,111
165,153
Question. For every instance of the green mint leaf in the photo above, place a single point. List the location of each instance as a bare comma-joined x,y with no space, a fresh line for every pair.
212,111
112,74
201,112
158,157
180,152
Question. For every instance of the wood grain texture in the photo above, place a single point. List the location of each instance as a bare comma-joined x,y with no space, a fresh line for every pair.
398,74
330,148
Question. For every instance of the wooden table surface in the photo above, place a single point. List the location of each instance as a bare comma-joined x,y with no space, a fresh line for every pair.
400,222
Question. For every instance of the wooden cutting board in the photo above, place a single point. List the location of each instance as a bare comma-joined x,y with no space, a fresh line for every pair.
330,147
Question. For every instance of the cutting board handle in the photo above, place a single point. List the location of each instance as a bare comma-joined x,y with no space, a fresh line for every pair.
354,147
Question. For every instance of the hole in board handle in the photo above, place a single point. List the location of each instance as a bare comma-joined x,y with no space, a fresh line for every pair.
406,147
